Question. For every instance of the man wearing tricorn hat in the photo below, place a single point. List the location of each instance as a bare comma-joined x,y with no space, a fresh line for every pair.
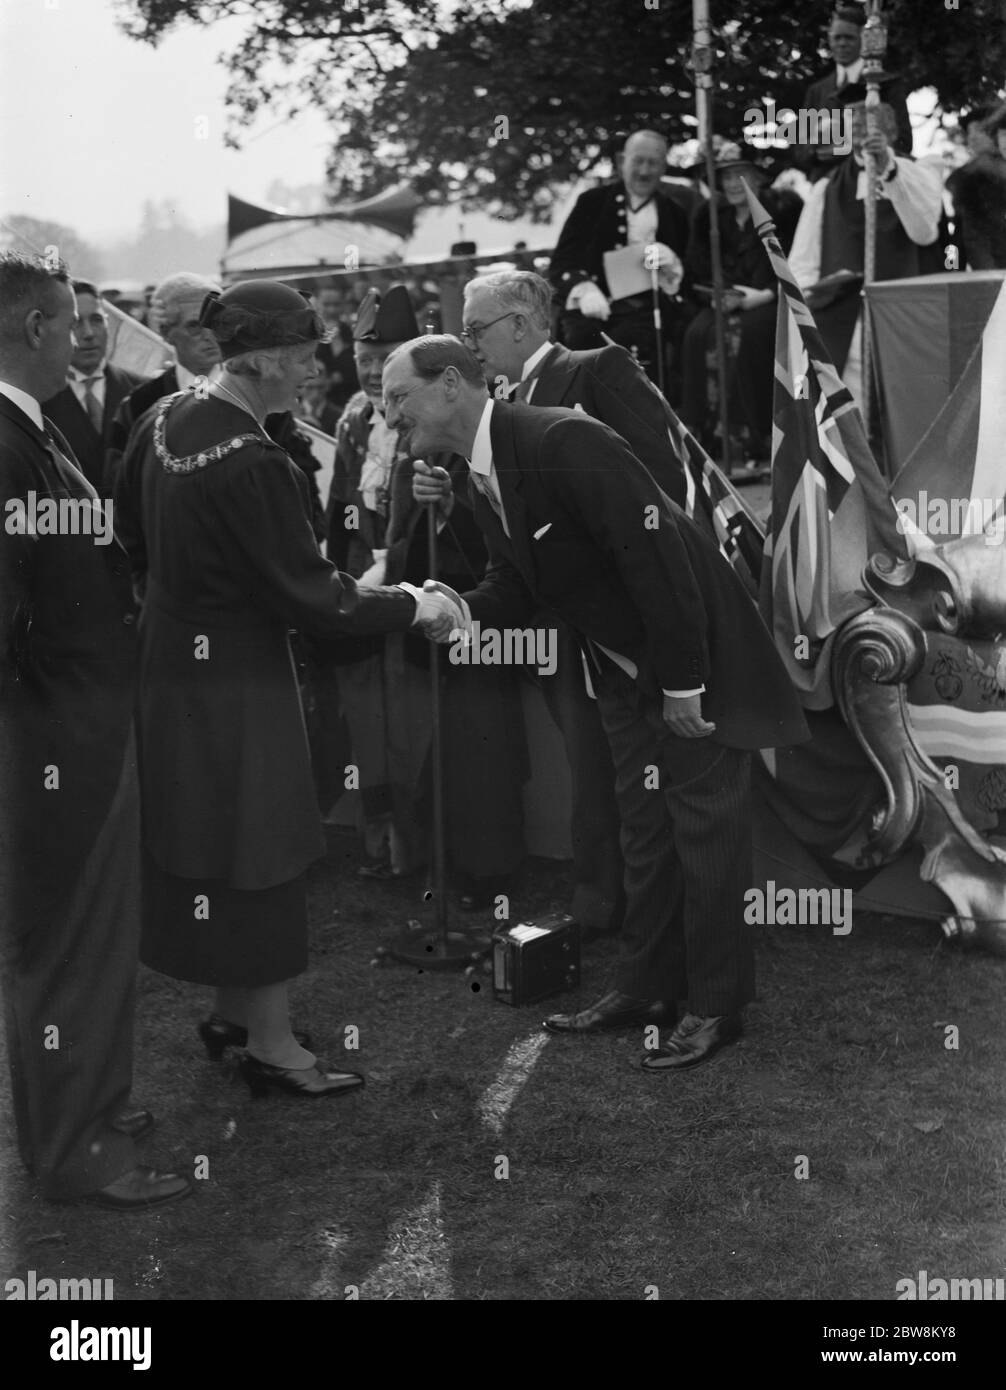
215,517
356,521
383,682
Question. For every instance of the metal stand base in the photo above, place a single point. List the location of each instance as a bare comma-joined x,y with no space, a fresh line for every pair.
425,948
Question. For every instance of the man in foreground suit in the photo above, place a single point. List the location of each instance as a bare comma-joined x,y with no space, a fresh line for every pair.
69,808
84,409
685,673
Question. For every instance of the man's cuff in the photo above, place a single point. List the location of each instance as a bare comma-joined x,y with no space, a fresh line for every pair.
417,594
684,694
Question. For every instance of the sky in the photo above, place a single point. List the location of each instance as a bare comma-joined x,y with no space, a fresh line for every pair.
92,124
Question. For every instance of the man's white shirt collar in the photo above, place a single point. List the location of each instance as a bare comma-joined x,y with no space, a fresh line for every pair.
76,375
481,460
24,402
535,358
852,72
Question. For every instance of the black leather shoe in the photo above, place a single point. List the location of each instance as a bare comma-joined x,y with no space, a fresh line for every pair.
615,1010
140,1189
135,1123
300,1081
218,1034
693,1041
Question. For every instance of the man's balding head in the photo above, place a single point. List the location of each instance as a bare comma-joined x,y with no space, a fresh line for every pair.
434,395
643,162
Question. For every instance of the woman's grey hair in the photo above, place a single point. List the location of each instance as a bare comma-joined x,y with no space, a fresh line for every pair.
263,363
518,292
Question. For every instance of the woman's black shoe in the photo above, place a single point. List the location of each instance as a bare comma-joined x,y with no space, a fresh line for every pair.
301,1081
217,1035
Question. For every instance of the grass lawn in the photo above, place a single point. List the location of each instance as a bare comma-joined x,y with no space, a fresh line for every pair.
616,1181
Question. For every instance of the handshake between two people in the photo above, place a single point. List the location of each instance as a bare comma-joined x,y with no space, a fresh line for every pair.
441,612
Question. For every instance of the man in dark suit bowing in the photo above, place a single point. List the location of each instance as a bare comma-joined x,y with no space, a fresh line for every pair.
69,805
639,212
506,324
84,409
685,674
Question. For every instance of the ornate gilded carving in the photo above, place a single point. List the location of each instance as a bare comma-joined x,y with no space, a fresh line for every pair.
958,589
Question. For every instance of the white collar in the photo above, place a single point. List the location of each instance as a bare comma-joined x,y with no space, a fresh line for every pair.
24,402
481,460
535,358
852,72
80,377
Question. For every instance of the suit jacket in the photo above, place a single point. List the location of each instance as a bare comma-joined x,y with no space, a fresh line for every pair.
597,224
594,538
67,665
71,419
610,386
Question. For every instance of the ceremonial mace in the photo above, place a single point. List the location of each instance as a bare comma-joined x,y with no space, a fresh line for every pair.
874,47
439,949
702,63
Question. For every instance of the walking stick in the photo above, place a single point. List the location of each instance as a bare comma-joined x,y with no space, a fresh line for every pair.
702,59
441,949
873,49
658,328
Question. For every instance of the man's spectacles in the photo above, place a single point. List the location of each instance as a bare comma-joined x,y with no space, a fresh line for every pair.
474,331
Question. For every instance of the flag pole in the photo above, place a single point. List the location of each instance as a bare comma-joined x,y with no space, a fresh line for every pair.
874,47
702,61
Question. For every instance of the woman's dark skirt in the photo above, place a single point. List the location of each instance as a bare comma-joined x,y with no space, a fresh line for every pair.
208,933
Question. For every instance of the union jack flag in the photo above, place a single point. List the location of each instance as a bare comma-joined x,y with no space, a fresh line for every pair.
713,501
831,509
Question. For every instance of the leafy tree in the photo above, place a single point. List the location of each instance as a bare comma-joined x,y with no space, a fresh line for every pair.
29,235
498,103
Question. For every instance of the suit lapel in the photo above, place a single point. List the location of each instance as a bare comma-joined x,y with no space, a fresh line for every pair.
511,485
555,378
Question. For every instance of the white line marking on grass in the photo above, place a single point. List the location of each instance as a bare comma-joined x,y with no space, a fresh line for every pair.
496,1100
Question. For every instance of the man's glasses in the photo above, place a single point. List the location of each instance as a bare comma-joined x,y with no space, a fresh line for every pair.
474,331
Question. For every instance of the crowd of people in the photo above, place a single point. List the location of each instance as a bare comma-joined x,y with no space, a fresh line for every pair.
179,707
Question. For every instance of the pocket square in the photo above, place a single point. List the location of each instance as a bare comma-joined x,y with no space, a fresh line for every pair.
542,529
580,408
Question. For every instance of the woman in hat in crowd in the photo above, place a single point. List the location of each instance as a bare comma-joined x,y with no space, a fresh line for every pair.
216,516
749,282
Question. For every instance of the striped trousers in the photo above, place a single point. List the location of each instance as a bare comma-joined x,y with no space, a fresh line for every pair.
685,811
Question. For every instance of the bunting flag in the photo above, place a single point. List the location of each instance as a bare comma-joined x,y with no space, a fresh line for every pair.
831,509
133,346
712,499
954,483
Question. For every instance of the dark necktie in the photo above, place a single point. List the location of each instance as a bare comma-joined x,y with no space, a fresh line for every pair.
63,461
91,405
481,481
